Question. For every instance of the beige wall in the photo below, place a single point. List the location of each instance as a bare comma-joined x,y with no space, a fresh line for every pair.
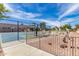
12,27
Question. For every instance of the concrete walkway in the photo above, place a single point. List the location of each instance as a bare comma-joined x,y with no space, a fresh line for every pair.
24,50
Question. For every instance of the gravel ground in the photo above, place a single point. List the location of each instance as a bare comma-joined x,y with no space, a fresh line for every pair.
54,44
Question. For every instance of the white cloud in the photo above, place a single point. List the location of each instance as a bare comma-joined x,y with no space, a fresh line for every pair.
71,9
23,15
50,22
15,16
20,14
7,6
68,20
58,23
31,16
28,15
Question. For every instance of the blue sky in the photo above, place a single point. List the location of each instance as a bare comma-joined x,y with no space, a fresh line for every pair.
54,14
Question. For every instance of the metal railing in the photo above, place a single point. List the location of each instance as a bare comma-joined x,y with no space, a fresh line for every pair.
55,45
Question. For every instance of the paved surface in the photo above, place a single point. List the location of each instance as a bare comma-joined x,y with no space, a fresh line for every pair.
24,50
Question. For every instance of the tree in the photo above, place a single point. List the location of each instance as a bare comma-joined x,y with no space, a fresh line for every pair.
2,11
65,27
77,27
35,28
43,25
2,16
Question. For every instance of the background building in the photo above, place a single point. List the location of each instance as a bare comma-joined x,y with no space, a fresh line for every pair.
13,27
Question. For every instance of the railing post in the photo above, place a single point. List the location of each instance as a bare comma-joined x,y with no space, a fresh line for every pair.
26,37
72,46
17,30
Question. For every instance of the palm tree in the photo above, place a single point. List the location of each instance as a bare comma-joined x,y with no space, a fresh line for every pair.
2,16
65,27
77,26
2,11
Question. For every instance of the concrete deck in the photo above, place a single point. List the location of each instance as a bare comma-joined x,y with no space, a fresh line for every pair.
24,50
